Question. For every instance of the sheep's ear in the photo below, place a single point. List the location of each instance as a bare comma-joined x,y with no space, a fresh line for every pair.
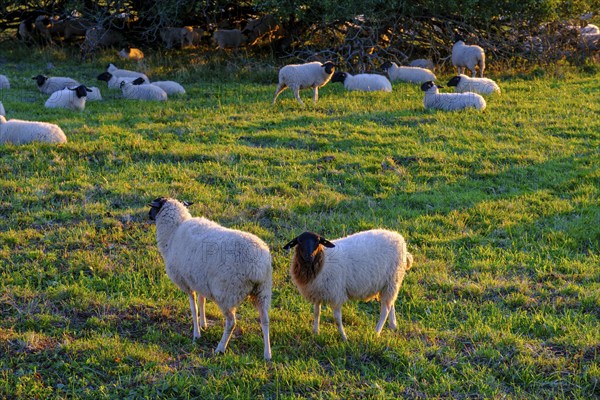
291,243
326,242
187,203
158,202
88,89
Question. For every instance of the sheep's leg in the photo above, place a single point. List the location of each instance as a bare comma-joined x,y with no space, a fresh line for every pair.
296,90
202,321
337,314
481,68
317,312
227,332
385,310
392,320
193,307
263,313
316,94
280,88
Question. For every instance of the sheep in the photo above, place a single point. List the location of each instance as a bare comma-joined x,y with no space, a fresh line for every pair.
363,266
2,112
114,82
302,76
221,264
179,37
469,56
69,98
4,82
48,85
450,101
464,83
590,29
97,37
407,74
16,131
94,94
363,82
228,38
422,63
131,53
112,68
170,87
138,90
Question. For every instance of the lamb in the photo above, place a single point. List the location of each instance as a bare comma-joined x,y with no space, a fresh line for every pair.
229,38
112,69
469,56
4,82
422,63
302,76
477,85
138,90
16,131
450,101
363,82
221,264
407,74
170,87
69,98
114,82
363,266
48,85
131,53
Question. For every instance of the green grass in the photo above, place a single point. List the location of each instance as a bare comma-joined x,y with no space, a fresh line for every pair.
500,210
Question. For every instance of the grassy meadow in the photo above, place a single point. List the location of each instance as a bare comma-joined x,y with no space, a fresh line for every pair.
500,210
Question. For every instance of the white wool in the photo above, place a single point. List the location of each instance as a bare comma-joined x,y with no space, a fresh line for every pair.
16,131
66,98
302,76
367,82
221,264
2,112
4,83
52,84
452,101
476,85
144,91
95,94
229,38
115,81
170,87
469,56
408,74
125,73
422,63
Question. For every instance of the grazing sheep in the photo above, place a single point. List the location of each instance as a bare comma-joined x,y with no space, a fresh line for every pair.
177,37
69,98
112,68
469,56
50,85
114,82
422,63
221,264
170,87
131,53
138,90
2,112
363,82
4,82
450,101
228,38
303,76
464,83
367,265
407,74
16,131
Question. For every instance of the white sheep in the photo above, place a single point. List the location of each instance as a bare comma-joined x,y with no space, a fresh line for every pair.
113,81
2,112
170,87
302,76
407,74
131,53
469,56
221,264
16,131
69,98
363,82
228,38
464,83
138,90
450,101
422,63
48,85
94,94
125,73
367,265
4,82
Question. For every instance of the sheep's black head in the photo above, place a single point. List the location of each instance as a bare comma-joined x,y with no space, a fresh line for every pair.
428,85
458,38
339,77
81,91
40,79
105,76
138,81
454,81
308,243
309,258
329,67
158,203
386,65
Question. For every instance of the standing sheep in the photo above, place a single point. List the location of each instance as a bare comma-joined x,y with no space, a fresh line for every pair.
407,74
69,98
469,56
221,264
302,76
16,131
229,38
177,37
4,82
476,85
450,101
363,266
363,82
138,90
50,85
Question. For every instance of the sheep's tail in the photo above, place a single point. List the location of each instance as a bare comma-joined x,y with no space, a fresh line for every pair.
409,261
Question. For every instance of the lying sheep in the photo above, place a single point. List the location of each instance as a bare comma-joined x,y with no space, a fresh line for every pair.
16,131
367,265
407,74
464,83
138,90
469,56
450,101
112,68
131,53
221,264
303,76
363,82
4,82
170,87
114,82
228,38
422,63
48,85
94,94
69,98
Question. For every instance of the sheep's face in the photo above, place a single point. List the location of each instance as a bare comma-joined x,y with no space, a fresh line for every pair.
329,67
40,79
308,258
81,91
454,81
428,85
157,205
105,76
138,81
339,77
